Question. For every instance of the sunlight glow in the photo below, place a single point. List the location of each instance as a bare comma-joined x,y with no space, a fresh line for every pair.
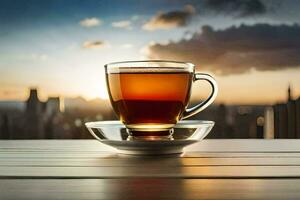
97,92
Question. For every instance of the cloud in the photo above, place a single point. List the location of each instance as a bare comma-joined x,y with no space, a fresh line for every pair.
34,57
126,46
41,57
90,22
135,17
94,44
170,19
238,8
122,24
236,50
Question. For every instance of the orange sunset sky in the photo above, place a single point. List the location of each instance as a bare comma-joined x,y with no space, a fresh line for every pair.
252,49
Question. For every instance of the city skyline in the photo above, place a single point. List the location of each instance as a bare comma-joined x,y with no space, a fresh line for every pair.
61,46
37,119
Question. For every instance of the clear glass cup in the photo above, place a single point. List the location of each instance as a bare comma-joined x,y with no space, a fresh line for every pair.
151,96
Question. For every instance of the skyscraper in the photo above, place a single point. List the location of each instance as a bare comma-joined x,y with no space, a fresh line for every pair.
5,132
52,106
287,118
290,93
269,123
34,125
291,114
298,118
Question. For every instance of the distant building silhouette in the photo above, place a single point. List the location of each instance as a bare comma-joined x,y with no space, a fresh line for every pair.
234,121
35,119
51,117
286,118
280,121
42,119
34,124
290,98
269,123
33,104
259,128
248,122
222,127
291,114
52,106
298,117
5,131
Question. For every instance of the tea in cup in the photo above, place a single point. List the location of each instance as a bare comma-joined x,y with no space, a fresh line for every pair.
150,97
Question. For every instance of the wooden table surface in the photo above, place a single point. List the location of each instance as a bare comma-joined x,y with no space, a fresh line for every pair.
211,169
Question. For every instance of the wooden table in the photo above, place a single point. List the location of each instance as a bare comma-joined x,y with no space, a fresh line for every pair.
211,169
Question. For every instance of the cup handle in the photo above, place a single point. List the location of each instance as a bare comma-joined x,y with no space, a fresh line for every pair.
201,106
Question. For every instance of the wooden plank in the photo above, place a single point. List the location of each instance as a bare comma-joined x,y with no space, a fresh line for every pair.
86,169
247,145
78,154
195,154
192,189
208,145
56,154
148,172
149,162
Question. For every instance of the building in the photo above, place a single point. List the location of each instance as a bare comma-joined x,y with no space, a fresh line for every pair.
286,118
41,118
269,123
52,106
33,119
298,117
5,130
36,119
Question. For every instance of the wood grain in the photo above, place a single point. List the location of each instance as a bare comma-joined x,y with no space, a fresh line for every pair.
149,162
209,145
192,189
158,172
211,169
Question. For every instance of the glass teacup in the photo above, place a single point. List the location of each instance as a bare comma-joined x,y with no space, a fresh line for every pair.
150,97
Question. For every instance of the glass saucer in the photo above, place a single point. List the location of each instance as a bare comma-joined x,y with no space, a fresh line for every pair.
114,134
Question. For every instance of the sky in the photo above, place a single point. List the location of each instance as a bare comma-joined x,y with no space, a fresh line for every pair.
251,47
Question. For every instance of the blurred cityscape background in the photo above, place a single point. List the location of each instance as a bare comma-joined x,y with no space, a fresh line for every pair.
52,55
58,118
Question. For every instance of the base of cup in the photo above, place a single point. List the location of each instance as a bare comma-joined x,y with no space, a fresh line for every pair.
149,138
151,127
150,132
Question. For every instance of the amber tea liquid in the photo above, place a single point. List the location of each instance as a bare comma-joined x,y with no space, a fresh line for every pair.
144,100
